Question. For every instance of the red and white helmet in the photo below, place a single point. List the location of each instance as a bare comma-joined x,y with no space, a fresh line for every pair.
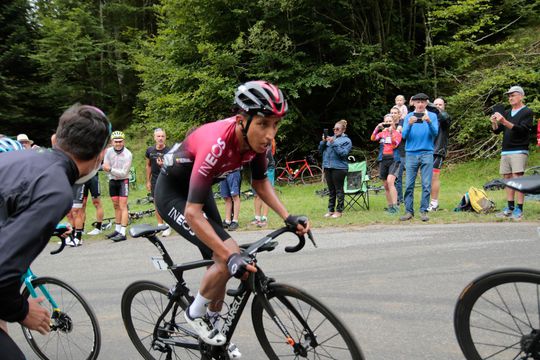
261,98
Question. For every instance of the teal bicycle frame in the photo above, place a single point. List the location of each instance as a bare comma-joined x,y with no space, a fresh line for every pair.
28,277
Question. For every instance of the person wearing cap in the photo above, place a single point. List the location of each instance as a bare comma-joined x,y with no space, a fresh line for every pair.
516,125
25,141
420,128
117,163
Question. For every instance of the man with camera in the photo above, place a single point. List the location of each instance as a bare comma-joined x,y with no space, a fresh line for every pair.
516,125
420,128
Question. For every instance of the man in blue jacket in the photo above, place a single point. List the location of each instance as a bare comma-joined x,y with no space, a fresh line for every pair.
420,128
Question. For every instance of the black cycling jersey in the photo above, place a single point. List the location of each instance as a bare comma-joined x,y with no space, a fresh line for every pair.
35,194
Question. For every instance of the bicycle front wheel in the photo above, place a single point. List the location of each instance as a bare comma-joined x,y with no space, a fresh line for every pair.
497,315
316,333
143,302
74,331
315,176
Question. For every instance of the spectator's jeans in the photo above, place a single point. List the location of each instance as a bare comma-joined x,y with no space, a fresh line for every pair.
399,181
335,179
424,162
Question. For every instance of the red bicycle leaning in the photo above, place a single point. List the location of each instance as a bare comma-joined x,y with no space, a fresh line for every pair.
299,169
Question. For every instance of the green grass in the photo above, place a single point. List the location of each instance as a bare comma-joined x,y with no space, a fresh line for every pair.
302,199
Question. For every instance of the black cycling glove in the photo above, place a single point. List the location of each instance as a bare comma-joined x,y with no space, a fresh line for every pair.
294,220
236,265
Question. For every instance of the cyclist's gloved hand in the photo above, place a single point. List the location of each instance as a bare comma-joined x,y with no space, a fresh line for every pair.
237,265
295,220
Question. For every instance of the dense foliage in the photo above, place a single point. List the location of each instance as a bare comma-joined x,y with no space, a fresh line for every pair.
175,63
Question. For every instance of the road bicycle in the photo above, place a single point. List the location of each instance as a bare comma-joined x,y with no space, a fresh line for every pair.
75,332
132,216
299,169
288,322
148,199
497,316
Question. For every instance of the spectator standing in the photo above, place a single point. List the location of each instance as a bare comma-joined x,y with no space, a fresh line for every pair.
37,190
516,125
400,104
335,150
26,142
261,208
117,163
230,192
396,115
154,162
420,128
439,153
92,186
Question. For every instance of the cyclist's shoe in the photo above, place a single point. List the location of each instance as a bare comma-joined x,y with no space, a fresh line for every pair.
233,226
506,212
205,330
226,224
517,214
432,208
96,231
166,233
119,237
111,235
234,352
73,242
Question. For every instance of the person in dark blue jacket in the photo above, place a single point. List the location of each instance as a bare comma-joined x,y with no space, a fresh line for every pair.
420,128
335,150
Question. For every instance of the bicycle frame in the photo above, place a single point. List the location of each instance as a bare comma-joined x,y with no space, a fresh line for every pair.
291,173
28,277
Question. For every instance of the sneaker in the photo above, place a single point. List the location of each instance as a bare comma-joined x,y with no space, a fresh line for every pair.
234,352
73,242
263,222
96,231
432,208
517,214
111,235
336,215
225,224
506,212
254,221
406,217
234,225
328,214
424,216
166,233
205,330
391,210
119,237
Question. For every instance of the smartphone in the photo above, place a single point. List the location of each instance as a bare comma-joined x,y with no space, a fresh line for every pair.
419,117
325,132
386,125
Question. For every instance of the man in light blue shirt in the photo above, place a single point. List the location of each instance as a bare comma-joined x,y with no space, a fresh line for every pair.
420,128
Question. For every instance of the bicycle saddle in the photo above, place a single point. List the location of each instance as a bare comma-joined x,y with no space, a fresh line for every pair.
146,230
525,184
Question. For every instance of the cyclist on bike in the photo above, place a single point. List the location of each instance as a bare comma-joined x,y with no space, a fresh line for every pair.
35,195
184,198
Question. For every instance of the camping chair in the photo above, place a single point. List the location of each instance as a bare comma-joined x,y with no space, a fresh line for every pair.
133,177
356,186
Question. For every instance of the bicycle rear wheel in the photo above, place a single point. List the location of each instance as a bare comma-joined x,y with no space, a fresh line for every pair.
75,330
313,177
498,314
317,333
142,304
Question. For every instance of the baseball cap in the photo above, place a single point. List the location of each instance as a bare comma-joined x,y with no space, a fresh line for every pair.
420,96
514,89
23,138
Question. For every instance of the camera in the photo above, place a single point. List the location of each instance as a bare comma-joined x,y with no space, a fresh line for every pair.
419,117
385,125
325,132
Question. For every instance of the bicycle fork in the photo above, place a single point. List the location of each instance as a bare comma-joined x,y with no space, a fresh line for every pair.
28,277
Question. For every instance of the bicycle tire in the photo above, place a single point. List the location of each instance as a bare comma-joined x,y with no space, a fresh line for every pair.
77,318
334,341
313,177
142,304
282,177
495,313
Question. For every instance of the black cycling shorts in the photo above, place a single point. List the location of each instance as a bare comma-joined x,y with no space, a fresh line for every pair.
78,195
388,166
92,185
10,350
119,188
170,198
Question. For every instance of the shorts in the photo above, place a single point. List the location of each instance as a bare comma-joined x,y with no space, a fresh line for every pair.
388,166
230,186
513,164
93,187
271,175
170,200
119,188
78,195
437,162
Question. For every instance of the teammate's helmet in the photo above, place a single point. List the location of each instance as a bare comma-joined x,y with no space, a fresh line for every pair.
260,98
117,135
7,144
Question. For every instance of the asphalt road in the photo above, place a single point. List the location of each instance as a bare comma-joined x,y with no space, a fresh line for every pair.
394,286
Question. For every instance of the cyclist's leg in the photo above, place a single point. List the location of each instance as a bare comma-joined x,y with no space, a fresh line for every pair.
10,350
95,191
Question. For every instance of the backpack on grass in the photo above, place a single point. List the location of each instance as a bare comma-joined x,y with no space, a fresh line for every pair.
475,200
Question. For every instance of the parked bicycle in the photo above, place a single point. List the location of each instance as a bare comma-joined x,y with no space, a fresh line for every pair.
75,332
132,216
497,316
299,169
288,322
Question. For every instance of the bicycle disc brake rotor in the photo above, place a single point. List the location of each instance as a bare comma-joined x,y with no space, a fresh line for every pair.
61,321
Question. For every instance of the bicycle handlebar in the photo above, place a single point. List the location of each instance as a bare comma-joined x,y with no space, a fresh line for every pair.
59,231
